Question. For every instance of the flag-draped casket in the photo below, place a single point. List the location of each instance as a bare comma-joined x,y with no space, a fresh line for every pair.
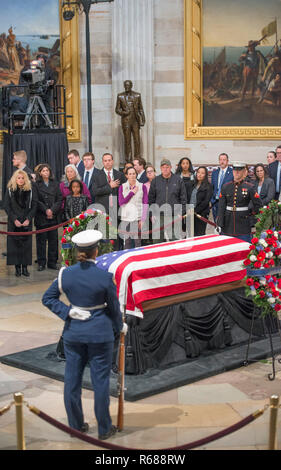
166,269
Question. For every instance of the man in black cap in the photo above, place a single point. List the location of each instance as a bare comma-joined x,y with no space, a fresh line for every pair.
234,215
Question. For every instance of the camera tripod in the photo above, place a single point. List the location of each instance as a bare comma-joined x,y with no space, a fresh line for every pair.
35,109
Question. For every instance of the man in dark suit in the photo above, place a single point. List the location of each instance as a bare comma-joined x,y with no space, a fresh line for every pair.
74,158
90,172
105,189
19,162
274,172
139,165
223,174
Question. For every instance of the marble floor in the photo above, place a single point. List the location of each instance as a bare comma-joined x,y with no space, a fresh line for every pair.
163,421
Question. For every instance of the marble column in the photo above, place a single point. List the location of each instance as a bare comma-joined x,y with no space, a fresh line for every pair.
133,59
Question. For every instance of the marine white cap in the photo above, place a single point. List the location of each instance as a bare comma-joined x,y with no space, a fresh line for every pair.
87,238
239,165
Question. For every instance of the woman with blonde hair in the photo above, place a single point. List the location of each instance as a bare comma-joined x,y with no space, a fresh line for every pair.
20,204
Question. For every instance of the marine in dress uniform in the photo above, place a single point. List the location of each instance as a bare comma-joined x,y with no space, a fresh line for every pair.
234,215
90,321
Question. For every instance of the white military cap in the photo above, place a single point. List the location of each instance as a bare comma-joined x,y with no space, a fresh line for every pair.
87,238
238,165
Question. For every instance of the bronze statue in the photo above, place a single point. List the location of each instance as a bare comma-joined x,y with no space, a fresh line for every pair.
129,107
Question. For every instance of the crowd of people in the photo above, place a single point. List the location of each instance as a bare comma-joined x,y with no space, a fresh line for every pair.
34,196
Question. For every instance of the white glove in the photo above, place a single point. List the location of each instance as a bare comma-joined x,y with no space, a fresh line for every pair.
79,314
124,329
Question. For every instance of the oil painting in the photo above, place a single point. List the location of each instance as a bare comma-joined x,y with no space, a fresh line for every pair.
241,62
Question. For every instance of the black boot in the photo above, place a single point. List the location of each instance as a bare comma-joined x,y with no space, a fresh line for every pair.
18,270
24,271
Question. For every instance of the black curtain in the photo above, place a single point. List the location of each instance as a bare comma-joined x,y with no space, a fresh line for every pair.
46,147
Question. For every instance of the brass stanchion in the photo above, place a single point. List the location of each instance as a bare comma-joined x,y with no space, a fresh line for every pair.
19,420
274,404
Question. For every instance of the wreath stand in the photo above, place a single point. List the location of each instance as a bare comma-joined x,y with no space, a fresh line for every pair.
269,322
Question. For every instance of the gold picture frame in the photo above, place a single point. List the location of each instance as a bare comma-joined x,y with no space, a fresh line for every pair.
193,88
70,75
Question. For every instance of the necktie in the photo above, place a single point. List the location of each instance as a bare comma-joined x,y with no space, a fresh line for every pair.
110,196
220,183
86,180
278,178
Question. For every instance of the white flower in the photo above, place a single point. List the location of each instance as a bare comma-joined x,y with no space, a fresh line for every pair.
253,291
269,254
271,300
263,242
262,281
253,258
275,234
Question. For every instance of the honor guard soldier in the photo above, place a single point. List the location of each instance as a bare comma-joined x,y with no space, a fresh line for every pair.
234,215
90,321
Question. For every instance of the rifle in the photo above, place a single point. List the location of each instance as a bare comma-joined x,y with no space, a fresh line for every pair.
121,379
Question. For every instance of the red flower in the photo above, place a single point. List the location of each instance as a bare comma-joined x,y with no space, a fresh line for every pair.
252,247
77,223
278,251
81,216
277,307
257,264
112,242
70,229
255,240
271,262
275,293
67,262
266,265
256,285
249,281
63,240
262,294
269,232
267,277
279,283
267,249
261,256
247,262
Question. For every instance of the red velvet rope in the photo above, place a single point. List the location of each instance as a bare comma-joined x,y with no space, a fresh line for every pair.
54,227
108,445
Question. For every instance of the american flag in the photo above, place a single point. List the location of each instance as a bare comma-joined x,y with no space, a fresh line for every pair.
157,271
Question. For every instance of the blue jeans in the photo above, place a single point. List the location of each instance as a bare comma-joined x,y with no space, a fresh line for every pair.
99,356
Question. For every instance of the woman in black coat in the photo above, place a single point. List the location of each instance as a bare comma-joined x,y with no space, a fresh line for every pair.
186,172
20,204
48,214
264,185
200,197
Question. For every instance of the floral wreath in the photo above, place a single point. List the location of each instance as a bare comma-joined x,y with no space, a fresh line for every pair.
80,223
263,280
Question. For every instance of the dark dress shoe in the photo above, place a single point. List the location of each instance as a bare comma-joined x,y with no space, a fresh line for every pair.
18,271
111,432
25,272
52,266
41,268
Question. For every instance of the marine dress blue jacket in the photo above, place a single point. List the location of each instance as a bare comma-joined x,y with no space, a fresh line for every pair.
88,287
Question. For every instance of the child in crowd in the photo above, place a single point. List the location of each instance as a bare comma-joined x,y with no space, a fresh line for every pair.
76,202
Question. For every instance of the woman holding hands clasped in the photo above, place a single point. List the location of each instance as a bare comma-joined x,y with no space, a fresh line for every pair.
20,204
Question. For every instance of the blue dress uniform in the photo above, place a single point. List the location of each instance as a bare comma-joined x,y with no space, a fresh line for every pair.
92,290
234,215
